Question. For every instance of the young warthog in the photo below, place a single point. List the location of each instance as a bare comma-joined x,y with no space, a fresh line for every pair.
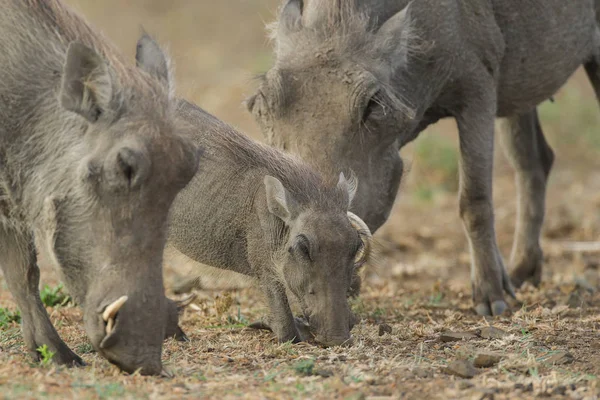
354,81
89,166
258,212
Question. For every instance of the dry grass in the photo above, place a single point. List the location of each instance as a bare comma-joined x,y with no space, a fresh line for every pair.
419,286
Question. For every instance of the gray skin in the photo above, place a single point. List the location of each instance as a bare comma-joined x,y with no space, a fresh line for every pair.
258,212
90,163
353,84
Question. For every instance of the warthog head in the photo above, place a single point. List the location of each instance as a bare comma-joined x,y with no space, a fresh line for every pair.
323,248
329,97
108,228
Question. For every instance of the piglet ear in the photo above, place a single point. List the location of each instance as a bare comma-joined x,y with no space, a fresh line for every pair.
150,58
88,87
290,18
279,201
348,185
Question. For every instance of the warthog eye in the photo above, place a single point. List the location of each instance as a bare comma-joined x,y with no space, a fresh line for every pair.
302,247
375,106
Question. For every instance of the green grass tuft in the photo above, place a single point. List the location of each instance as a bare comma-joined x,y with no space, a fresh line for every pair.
54,296
7,317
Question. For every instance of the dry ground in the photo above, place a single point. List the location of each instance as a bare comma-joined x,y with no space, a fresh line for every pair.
417,290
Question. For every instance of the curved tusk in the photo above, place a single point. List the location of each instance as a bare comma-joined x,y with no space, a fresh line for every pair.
112,309
366,236
165,373
186,301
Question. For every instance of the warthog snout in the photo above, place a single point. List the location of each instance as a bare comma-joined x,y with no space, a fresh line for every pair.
129,332
327,310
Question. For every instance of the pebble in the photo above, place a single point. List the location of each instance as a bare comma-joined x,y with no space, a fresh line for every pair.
384,328
560,357
422,373
491,332
486,359
456,336
461,368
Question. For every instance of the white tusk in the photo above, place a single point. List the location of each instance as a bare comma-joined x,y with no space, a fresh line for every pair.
110,324
365,234
165,373
186,301
112,309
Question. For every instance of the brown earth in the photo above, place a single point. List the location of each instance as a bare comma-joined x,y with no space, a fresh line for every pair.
417,297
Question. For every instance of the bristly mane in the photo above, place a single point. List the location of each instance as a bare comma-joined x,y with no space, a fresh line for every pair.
62,25
222,141
332,25
333,30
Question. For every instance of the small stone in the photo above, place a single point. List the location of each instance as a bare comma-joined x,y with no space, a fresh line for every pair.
486,359
384,328
575,300
323,373
560,390
422,373
487,395
524,388
456,336
560,357
491,332
461,368
463,385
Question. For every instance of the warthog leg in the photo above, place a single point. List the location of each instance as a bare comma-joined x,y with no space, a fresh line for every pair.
19,264
280,319
476,133
592,67
532,158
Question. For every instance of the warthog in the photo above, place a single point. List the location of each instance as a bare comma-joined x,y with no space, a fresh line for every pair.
258,212
354,81
89,166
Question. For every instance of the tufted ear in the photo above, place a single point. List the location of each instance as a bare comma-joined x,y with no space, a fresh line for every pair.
348,185
394,37
290,18
279,200
150,58
88,87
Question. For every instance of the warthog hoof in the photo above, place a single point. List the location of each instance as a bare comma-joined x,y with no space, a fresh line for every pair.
489,288
528,269
301,326
61,356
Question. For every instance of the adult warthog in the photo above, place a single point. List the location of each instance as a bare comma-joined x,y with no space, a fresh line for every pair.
89,166
354,81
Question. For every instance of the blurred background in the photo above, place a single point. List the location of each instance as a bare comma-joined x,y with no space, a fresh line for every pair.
218,47
419,282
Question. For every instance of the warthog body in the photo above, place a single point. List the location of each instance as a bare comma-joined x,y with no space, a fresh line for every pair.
354,81
255,211
89,166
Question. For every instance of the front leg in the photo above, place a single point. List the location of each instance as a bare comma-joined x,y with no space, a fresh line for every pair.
18,261
280,319
489,278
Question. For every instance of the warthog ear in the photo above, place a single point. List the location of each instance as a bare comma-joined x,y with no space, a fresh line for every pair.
150,58
279,200
394,37
290,18
88,88
348,185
